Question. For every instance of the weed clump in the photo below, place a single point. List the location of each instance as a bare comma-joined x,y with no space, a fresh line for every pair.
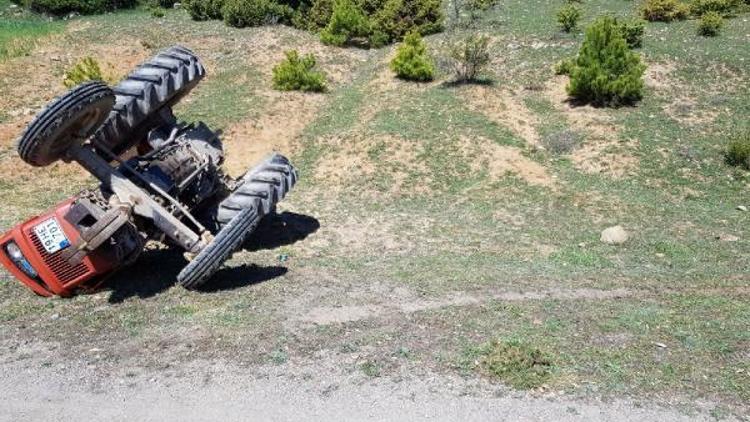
568,17
518,364
469,57
710,24
664,10
738,151
412,62
297,73
606,72
561,142
85,70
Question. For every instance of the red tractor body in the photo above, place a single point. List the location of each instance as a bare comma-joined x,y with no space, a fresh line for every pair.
41,242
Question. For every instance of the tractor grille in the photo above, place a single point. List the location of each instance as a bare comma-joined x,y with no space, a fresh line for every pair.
60,267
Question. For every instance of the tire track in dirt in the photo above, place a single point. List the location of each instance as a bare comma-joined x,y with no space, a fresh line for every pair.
402,303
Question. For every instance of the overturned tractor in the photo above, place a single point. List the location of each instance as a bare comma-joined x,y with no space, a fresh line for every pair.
160,179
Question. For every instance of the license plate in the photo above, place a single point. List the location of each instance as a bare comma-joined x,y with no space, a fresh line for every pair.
51,235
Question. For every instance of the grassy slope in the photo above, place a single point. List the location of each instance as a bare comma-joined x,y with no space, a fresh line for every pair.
19,30
466,232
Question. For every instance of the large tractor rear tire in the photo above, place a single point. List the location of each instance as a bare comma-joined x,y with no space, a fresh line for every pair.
158,83
68,120
226,242
262,187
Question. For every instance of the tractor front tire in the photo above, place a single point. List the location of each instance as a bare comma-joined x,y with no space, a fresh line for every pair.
69,119
221,248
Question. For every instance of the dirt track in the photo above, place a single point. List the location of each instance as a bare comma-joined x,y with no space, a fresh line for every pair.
209,391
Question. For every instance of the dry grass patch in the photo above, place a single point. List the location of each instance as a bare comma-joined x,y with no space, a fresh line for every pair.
505,108
284,118
500,160
602,151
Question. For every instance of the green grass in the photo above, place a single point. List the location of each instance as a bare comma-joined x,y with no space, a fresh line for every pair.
225,98
21,31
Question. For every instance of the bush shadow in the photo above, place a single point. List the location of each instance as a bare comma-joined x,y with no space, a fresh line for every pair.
477,81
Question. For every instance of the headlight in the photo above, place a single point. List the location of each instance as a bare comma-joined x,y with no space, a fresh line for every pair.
21,262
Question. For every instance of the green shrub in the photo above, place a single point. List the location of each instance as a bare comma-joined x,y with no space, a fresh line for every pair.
85,7
724,7
297,73
347,22
412,62
664,10
469,57
568,17
396,18
606,71
564,66
738,151
85,70
242,13
202,10
632,31
319,14
710,25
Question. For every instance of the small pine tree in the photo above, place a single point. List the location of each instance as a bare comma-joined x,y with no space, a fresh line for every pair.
347,21
296,74
606,71
412,62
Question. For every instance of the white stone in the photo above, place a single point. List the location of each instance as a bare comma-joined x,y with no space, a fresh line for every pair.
615,235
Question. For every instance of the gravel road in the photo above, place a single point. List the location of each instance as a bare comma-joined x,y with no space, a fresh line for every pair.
210,391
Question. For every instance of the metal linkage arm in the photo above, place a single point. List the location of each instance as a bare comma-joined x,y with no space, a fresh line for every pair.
129,193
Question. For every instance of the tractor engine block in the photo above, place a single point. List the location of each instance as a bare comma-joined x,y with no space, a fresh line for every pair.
185,162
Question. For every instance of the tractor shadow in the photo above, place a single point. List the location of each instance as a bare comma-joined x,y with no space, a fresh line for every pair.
156,270
277,230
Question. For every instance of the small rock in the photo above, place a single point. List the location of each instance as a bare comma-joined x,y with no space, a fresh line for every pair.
727,238
741,207
96,350
615,235
54,316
